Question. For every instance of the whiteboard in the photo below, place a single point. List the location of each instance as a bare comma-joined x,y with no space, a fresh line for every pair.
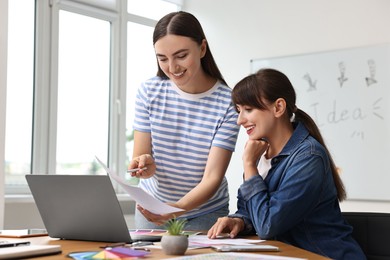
347,94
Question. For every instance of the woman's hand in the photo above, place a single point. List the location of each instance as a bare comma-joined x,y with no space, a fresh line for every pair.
145,160
158,220
252,152
233,226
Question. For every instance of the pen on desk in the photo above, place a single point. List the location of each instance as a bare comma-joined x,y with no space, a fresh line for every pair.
141,243
14,244
114,245
140,248
136,169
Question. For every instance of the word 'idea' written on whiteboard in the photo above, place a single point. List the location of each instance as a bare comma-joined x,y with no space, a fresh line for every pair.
347,93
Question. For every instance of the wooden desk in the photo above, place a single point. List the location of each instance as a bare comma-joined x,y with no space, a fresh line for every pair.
74,246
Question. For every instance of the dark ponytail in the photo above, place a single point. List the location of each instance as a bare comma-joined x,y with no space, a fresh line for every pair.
309,123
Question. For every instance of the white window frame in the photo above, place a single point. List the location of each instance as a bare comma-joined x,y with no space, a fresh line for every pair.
3,94
46,80
46,84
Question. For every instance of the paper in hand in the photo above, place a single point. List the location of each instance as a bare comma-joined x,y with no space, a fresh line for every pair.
143,198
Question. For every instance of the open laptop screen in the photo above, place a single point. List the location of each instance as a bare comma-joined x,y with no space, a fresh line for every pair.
79,207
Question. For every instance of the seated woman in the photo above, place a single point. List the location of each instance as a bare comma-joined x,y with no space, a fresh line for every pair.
291,188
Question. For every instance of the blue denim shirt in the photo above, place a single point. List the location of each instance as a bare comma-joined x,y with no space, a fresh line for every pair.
297,202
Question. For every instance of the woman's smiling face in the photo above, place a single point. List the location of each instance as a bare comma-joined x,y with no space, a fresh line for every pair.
257,123
179,58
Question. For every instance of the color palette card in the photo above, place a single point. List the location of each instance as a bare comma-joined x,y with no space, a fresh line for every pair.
109,253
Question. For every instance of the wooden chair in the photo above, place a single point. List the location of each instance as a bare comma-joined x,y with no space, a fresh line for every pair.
372,232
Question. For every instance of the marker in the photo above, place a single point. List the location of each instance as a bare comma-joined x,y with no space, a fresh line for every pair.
140,248
141,243
136,169
114,245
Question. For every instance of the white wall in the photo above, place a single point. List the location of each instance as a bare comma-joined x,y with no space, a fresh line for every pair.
3,82
239,31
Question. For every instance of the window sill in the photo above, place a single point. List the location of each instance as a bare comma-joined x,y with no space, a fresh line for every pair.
27,198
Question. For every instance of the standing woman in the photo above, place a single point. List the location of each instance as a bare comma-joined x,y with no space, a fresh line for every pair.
185,128
291,188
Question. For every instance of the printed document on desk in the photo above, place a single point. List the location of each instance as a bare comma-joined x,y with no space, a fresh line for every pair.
233,256
140,196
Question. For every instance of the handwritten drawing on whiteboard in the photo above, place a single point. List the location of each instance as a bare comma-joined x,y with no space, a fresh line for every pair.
347,93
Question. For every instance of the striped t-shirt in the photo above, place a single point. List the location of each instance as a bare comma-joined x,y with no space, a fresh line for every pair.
183,128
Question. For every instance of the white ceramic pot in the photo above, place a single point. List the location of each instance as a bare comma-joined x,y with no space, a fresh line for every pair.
174,245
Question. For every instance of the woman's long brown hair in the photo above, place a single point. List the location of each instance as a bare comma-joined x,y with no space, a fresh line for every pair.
185,24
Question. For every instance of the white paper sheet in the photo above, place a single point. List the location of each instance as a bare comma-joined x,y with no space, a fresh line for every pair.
203,239
140,196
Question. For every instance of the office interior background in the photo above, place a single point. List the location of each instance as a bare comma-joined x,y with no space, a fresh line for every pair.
68,75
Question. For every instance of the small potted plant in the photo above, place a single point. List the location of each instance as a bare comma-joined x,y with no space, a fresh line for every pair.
175,242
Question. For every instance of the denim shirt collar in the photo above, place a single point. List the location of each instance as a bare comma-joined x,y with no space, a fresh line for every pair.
299,135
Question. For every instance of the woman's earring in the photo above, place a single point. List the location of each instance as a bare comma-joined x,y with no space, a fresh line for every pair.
292,118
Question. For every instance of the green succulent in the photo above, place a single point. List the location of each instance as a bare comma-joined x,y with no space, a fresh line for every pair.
175,226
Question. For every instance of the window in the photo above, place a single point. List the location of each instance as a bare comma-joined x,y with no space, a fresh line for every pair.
69,97
83,92
153,9
19,111
140,66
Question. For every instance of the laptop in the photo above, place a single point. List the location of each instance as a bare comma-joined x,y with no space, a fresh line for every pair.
82,207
